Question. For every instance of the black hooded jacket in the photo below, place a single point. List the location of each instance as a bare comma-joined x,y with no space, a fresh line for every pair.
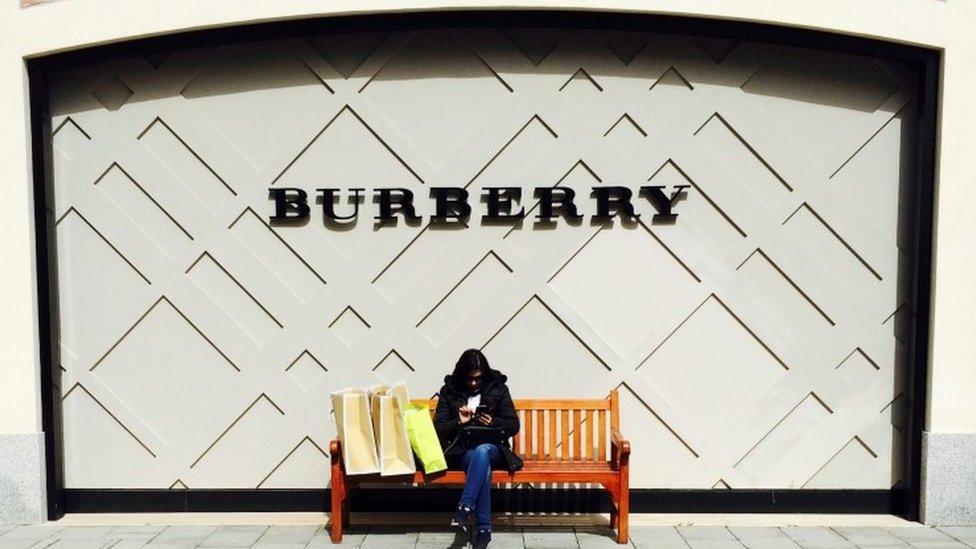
494,396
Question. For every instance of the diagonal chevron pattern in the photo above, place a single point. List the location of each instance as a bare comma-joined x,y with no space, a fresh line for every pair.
758,341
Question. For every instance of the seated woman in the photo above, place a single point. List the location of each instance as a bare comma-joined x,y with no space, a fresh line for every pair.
472,384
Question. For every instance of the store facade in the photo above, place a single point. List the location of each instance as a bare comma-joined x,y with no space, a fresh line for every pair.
729,223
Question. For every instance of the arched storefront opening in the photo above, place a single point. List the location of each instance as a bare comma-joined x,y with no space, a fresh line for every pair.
765,341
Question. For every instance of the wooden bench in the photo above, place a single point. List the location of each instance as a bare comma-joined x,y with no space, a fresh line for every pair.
560,441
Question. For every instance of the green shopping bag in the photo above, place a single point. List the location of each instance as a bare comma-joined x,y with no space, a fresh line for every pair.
423,438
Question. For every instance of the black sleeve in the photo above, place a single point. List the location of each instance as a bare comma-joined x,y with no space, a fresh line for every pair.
505,416
445,421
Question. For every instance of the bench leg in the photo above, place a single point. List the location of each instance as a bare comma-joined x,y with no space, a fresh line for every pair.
338,499
614,515
623,506
336,512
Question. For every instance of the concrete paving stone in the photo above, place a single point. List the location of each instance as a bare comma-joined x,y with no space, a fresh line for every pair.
901,546
174,545
130,543
352,536
814,537
353,540
33,531
183,535
234,536
709,537
869,537
657,537
287,534
83,543
756,537
593,538
507,540
136,531
952,544
18,543
727,544
85,532
389,537
965,534
697,534
442,539
537,539
927,538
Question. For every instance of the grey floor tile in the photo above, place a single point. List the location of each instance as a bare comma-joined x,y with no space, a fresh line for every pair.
919,533
560,539
755,537
19,543
75,543
287,534
965,534
813,537
596,538
33,531
709,534
183,535
442,539
657,537
234,536
390,538
352,536
901,546
869,537
509,539
709,537
136,531
130,543
85,532
928,538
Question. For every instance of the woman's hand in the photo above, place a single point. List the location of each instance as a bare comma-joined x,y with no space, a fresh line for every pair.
465,414
483,418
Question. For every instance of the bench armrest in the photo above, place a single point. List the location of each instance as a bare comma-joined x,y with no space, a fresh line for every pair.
619,449
335,452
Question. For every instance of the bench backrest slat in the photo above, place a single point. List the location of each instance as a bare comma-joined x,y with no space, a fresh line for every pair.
562,429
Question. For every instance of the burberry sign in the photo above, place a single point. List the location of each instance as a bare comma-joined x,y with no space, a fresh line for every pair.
452,206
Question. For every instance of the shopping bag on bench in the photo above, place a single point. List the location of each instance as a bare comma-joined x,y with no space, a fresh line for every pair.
423,438
392,441
351,411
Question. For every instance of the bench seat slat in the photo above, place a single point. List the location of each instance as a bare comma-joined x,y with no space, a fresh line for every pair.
553,404
564,434
588,453
551,446
577,427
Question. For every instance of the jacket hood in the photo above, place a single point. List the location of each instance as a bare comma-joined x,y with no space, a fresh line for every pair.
492,377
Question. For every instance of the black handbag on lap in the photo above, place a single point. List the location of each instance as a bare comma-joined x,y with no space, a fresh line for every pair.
473,435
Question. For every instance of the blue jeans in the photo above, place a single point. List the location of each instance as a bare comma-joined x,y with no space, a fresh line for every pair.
477,463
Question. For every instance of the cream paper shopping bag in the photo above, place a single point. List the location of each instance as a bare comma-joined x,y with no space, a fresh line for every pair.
354,424
393,445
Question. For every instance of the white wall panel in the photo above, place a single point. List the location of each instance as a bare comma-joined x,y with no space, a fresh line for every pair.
753,340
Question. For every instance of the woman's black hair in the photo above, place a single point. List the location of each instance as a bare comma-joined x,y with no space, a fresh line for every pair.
471,360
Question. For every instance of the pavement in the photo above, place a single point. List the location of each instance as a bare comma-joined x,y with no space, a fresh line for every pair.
55,535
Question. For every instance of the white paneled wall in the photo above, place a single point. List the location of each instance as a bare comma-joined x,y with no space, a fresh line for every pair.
754,340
